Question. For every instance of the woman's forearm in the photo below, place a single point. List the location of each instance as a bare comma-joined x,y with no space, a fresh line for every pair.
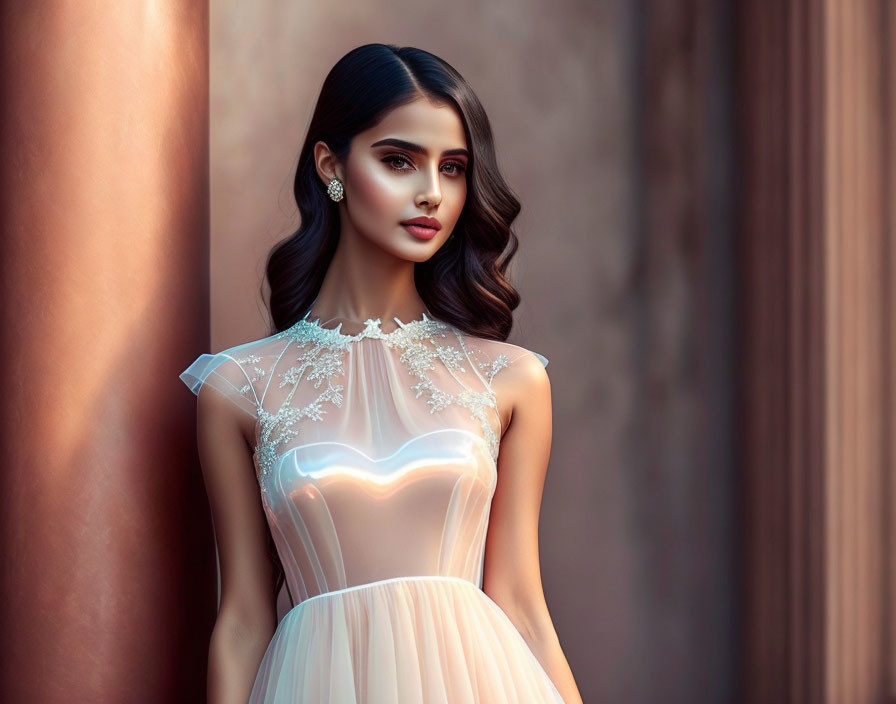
546,648
235,653
537,629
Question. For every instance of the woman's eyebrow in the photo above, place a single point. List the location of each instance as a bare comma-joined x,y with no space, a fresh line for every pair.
411,147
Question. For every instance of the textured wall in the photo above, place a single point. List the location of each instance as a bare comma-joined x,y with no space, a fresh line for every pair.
636,545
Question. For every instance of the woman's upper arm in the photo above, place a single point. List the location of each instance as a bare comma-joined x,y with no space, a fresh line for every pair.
512,572
241,532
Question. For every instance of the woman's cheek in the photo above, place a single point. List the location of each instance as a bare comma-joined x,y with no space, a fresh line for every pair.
379,192
458,199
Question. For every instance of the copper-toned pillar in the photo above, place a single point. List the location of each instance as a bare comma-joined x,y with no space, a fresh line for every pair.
108,582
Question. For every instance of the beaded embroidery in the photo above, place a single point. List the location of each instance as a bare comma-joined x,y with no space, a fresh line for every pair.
321,359
257,372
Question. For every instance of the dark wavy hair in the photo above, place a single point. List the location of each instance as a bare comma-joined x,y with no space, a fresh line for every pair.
465,282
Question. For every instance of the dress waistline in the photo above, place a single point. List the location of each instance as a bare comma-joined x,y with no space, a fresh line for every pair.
367,585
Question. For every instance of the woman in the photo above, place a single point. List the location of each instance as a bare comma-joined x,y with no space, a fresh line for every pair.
375,412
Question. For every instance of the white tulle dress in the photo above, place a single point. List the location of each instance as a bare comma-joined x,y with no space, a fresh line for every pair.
376,460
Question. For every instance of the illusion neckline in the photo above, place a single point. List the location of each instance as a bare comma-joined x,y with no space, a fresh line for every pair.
372,327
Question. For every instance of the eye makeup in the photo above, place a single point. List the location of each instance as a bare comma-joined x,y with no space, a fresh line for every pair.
391,159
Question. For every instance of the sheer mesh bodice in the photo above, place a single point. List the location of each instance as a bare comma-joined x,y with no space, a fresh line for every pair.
375,455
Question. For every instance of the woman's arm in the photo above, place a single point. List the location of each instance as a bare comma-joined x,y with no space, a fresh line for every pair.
248,614
512,575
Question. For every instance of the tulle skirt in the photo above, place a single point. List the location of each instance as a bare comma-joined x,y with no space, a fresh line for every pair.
408,640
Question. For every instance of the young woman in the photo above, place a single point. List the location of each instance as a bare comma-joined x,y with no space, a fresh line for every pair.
385,446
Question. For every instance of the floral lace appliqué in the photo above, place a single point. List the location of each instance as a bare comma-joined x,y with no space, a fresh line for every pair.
320,361
257,372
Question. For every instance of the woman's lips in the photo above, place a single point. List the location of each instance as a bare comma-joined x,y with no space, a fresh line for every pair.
420,232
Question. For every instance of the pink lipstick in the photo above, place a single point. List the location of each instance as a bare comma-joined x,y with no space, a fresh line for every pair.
422,227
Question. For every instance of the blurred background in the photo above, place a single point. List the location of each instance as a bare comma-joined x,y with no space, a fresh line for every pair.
707,237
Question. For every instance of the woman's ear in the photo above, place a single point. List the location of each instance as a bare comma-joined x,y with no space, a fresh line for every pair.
326,163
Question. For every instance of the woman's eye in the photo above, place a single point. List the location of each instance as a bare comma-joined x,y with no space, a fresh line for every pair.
398,163
458,168
392,159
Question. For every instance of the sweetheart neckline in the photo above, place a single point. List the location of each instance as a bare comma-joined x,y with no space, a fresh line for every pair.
484,443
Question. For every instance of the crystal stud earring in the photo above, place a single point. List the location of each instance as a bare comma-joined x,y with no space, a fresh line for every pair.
335,189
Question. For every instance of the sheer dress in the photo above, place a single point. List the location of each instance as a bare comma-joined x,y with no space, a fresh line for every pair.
376,458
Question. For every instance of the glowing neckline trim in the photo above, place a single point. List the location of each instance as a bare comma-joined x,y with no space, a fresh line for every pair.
372,328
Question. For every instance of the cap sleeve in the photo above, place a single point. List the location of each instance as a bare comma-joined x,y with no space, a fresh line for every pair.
489,357
516,352
227,375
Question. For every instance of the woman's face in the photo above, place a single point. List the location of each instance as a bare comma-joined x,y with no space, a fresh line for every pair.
413,163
